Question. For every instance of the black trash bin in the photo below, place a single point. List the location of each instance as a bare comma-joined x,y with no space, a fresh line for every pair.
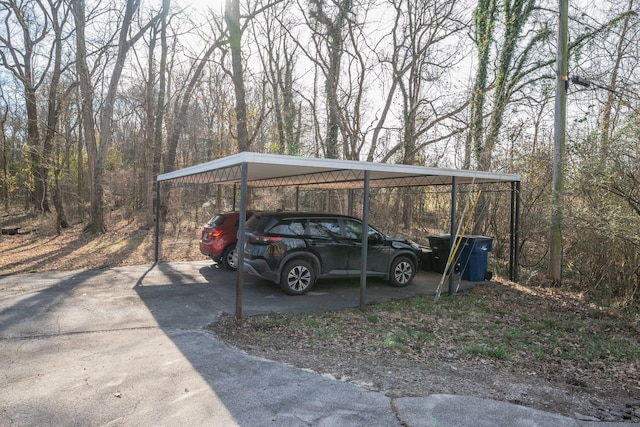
426,260
441,247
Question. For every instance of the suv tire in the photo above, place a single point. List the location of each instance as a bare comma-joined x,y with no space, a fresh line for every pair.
297,277
402,271
229,258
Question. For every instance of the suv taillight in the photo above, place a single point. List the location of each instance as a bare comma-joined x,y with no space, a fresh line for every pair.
210,234
261,238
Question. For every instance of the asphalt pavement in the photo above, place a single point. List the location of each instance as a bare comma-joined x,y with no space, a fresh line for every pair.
128,346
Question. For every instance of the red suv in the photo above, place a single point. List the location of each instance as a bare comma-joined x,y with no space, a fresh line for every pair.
219,237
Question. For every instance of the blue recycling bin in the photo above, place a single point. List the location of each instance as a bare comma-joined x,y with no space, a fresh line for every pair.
474,257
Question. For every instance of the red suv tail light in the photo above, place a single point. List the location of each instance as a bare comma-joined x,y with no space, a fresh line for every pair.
210,234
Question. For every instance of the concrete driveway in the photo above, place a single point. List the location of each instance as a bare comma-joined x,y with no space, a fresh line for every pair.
126,346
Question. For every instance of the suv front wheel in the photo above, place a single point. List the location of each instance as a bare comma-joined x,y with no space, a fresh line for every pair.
402,271
297,277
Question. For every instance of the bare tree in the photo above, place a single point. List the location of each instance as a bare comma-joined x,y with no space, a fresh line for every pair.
421,53
419,61
125,42
154,110
4,153
485,16
183,101
278,54
232,19
513,65
150,112
53,108
236,24
627,35
328,34
86,97
27,24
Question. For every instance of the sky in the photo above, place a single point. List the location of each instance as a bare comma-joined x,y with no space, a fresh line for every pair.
202,5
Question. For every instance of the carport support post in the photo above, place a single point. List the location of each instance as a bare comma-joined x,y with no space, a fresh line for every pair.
365,240
157,231
514,243
452,232
244,172
234,197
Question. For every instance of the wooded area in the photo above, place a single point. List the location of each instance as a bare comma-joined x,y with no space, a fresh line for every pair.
98,98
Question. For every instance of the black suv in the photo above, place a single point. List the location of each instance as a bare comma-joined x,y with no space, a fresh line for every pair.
296,248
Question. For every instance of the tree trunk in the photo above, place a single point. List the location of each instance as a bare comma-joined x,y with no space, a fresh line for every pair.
97,221
335,48
232,18
4,163
150,133
61,218
485,18
86,95
40,203
53,118
160,108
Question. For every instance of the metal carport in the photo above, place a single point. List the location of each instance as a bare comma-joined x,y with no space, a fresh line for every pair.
259,170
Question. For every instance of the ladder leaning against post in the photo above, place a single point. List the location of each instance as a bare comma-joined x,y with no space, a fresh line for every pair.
454,247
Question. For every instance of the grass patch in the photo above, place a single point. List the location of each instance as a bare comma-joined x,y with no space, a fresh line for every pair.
395,342
311,322
498,353
524,329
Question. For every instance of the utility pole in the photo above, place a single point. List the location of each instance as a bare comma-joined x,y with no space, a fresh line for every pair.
559,135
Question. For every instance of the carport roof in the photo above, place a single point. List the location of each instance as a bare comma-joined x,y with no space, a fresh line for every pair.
271,170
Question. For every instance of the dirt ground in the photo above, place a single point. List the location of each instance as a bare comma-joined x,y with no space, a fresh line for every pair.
36,247
380,349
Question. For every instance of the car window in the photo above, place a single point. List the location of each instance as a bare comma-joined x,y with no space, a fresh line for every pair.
323,227
289,227
217,220
353,230
261,223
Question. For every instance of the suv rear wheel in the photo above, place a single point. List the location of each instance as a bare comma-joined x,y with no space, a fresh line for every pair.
402,271
230,258
297,277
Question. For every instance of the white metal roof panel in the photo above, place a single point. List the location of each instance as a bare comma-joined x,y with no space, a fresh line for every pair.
270,170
